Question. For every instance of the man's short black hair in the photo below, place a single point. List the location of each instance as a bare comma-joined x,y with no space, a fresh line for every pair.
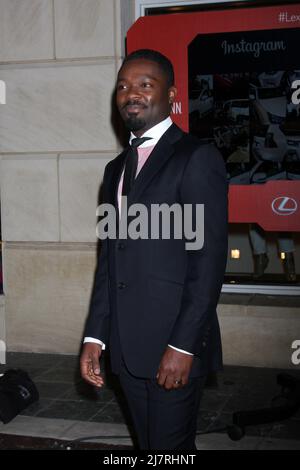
149,54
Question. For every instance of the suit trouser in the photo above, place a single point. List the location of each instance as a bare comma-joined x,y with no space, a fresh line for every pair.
163,419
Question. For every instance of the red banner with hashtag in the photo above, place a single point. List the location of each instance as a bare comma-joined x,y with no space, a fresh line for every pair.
273,204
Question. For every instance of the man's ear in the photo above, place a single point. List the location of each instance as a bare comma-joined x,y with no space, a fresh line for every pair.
172,94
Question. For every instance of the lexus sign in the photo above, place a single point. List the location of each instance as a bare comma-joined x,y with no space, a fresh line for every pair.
284,205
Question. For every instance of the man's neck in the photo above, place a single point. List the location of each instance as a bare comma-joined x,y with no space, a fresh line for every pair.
155,132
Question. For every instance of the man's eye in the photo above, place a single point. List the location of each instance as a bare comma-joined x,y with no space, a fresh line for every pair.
146,85
121,87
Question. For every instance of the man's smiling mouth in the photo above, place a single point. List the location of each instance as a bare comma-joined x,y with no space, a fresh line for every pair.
134,108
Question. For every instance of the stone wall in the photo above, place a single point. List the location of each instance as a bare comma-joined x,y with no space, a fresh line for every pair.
59,60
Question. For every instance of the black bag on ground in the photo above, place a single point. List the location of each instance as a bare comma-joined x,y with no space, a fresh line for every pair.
17,391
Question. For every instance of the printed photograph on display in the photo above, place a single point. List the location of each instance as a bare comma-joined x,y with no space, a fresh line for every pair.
245,106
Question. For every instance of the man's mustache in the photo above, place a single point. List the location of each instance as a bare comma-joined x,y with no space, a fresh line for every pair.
134,103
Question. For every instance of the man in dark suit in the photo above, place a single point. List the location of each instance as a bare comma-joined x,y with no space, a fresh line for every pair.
154,301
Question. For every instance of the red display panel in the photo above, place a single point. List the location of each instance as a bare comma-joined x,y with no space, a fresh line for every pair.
274,204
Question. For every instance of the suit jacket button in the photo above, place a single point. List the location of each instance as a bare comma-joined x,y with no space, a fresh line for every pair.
121,246
204,344
121,285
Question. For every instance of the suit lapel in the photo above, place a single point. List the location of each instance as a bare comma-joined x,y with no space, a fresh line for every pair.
161,153
119,163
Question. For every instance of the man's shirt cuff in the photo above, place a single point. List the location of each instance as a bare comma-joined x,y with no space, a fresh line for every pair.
88,339
180,350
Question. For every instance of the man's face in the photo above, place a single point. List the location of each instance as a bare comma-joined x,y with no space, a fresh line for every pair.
143,95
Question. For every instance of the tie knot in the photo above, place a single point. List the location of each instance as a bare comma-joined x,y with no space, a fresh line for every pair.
137,141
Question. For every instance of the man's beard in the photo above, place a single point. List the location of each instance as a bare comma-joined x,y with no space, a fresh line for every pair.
133,123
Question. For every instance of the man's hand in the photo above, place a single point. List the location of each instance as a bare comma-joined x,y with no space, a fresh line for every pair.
174,369
90,365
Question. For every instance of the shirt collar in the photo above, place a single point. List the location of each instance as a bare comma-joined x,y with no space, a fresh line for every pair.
155,133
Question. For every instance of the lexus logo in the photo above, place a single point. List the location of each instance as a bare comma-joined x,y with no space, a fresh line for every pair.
284,205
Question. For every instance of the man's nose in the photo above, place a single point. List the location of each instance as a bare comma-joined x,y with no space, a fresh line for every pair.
134,92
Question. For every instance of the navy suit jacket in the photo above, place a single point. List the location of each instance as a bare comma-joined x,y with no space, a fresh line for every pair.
150,293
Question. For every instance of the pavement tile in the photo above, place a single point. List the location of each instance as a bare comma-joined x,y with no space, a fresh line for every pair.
69,409
67,402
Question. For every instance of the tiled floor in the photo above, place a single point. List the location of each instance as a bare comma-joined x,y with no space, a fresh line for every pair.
64,396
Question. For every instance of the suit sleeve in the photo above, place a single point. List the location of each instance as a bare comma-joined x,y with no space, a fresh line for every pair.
98,321
204,182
